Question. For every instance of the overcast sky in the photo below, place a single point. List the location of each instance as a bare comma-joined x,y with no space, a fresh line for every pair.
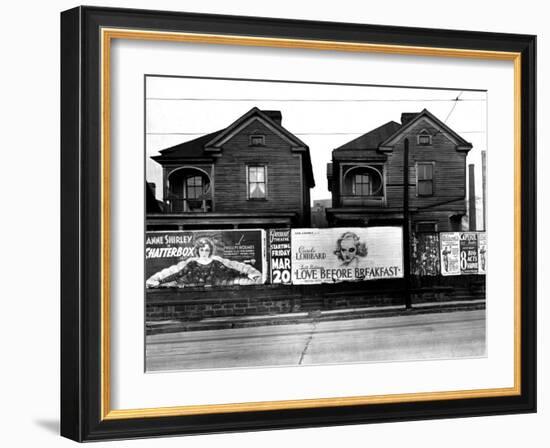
323,116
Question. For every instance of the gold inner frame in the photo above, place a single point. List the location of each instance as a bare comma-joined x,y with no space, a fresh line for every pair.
107,35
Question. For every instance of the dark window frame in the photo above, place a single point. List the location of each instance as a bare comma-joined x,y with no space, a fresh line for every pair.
423,179
253,137
197,189
424,134
418,224
355,184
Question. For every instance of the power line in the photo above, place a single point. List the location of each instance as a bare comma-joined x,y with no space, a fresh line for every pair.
456,100
317,100
295,133
316,83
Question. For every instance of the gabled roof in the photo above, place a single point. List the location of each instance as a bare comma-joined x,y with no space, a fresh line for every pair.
372,139
266,117
192,149
210,145
461,144
384,137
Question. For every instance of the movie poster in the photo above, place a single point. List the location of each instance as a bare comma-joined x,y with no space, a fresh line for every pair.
205,258
280,256
346,254
450,253
482,252
468,253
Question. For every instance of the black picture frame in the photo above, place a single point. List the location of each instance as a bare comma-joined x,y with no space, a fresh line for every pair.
82,407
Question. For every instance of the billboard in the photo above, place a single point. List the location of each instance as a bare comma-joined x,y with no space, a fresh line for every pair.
280,256
205,258
346,254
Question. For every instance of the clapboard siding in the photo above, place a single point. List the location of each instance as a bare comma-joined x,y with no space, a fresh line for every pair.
447,203
449,172
284,173
439,217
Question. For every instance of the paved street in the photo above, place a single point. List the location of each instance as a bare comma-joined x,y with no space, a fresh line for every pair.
415,337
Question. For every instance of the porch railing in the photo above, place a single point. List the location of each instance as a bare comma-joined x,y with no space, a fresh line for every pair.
179,204
361,201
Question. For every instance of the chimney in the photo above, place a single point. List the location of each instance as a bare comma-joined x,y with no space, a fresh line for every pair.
275,115
407,116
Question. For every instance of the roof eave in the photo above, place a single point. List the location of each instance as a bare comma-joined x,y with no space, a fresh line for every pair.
163,160
387,147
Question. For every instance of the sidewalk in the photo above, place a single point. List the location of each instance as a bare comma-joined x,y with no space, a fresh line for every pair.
219,323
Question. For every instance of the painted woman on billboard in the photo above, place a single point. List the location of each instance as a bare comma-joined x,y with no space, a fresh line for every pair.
206,269
350,250
346,254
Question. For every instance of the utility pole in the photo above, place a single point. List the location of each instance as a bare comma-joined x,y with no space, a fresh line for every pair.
484,186
472,198
406,227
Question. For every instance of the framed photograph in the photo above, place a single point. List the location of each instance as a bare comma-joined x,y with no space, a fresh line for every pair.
273,223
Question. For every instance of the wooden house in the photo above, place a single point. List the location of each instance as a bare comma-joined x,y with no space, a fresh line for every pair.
253,173
368,181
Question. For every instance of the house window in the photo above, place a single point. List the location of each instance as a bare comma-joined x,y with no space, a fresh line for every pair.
257,140
424,138
362,185
362,182
257,182
425,179
193,187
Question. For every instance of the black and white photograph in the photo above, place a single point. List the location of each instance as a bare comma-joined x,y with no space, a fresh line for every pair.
275,224
293,223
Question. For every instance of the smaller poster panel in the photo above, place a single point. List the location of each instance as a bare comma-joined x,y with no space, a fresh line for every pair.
468,253
280,256
450,253
482,252
346,254
425,254
205,258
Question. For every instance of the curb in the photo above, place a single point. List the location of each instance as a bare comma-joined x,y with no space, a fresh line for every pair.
222,323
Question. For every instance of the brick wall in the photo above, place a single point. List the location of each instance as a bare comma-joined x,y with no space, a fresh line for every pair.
264,300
